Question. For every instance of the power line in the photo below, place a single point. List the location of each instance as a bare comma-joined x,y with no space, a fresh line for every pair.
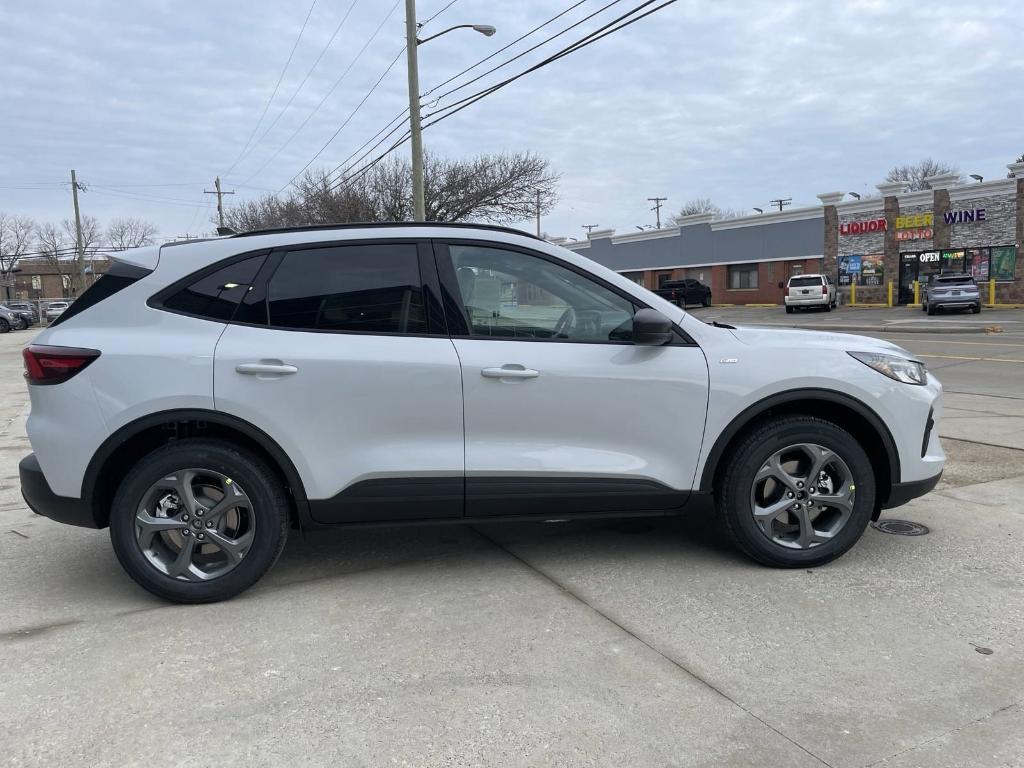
328,94
424,23
502,50
583,42
458,106
295,93
345,163
347,119
276,86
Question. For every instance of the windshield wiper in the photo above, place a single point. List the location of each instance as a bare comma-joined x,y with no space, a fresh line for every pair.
723,325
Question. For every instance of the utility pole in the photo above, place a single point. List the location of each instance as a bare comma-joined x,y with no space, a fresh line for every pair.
538,213
411,43
590,227
781,201
220,203
657,207
79,246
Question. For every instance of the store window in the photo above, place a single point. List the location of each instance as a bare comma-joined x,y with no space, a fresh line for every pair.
977,263
1004,262
636,277
953,261
742,276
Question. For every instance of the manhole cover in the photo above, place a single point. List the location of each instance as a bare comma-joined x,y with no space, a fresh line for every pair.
900,527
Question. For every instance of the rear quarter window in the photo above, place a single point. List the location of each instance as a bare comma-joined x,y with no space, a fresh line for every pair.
115,279
214,295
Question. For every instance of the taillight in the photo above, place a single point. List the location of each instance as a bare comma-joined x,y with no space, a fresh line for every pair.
53,365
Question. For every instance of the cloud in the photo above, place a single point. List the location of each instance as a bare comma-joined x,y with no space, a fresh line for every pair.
740,102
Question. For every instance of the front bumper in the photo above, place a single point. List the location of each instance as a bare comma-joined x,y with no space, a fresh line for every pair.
43,501
901,493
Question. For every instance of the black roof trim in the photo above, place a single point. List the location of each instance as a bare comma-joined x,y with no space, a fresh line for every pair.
382,224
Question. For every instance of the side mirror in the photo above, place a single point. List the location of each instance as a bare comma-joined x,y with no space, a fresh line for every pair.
651,328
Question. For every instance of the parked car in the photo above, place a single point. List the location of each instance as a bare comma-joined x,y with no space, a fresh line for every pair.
951,291
438,373
810,291
26,307
684,292
55,309
18,320
9,319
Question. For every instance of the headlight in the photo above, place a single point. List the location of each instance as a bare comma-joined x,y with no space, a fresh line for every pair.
893,366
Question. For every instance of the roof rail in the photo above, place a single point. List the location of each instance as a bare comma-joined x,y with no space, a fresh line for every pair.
374,224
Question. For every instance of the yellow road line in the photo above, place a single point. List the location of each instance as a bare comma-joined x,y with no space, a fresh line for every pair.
976,359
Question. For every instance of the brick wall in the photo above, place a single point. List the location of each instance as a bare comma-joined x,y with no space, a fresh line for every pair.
769,275
940,206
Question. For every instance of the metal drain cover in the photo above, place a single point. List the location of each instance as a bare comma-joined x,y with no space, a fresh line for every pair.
900,527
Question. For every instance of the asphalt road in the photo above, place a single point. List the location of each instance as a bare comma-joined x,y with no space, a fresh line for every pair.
553,645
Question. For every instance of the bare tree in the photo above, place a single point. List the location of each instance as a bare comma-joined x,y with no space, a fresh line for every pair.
1009,174
16,233
702,205
130,232
53,245
499,189
914,174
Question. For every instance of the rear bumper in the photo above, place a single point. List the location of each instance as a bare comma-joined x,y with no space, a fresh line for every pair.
43,501
960,302
901,493
806,301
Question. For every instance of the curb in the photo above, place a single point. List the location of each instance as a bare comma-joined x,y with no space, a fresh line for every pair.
880,328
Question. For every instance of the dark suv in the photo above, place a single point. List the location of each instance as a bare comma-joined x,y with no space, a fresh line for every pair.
683,292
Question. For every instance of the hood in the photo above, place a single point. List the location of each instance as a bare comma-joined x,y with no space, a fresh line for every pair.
792,338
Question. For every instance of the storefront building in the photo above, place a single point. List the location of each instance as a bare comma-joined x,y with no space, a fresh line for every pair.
744,260
867,245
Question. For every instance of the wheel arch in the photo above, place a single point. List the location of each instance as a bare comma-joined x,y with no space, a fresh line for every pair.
114,458
843,410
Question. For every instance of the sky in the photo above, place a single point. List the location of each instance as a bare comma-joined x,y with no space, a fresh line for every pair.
739,101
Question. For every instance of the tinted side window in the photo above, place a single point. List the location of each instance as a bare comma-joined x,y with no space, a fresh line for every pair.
117,278
216,295
507,294
368,288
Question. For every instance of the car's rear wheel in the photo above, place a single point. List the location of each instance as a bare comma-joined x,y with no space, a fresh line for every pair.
931,309
797,492
706,301
789,310
828,306
976,308
198,521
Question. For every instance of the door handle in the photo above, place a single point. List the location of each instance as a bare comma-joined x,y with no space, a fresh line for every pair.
264,369
509,371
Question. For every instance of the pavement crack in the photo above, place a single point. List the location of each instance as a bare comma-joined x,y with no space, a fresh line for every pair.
944,734
647,644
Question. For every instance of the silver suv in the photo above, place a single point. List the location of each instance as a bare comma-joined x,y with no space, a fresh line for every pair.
953,291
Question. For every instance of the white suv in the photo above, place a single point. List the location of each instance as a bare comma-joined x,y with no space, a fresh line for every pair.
810,291
204,397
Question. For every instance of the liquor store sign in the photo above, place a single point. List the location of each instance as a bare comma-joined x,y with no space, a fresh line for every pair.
916,226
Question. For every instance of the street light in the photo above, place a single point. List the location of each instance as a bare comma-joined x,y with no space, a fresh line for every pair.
415,129
977,178
854,194
759,210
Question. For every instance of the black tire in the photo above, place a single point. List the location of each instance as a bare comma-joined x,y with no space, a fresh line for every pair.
733,491
269,508
931,309
976,308
20,324
706,301
4,325
789,310
924,307
828,307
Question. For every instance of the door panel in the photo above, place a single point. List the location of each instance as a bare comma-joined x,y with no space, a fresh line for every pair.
356,410
581,404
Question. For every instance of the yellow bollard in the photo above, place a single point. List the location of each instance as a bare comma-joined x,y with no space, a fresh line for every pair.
890,294
992,291
853,294
917,292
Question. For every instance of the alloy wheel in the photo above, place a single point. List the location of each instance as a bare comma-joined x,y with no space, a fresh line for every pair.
802,496
195,525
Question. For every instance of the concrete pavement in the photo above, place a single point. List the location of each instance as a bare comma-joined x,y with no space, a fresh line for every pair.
557,645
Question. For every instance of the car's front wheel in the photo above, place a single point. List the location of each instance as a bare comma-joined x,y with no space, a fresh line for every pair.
797,492
20,324
197,521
